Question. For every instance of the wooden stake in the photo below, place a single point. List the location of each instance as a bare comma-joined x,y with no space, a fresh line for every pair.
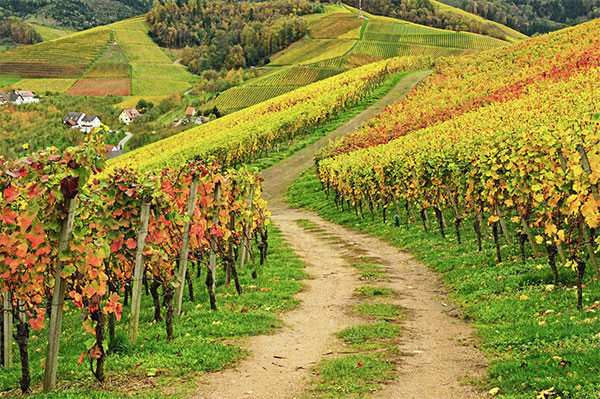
185,247
58,300
244,254
138,274
213,240
8,330
527,230
502,225
585,162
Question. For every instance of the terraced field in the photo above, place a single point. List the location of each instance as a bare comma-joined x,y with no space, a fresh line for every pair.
337,41
118,59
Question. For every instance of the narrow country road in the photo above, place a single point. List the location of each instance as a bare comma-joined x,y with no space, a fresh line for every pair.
436,345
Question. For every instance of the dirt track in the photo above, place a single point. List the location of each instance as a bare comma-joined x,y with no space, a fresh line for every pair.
436,346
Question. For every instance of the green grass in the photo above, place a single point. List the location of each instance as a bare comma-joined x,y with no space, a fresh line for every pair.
5,81
380,311
353,375
531,331
366,333
204,340
369,291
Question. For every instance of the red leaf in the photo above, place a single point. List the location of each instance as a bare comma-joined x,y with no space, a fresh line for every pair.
69,186
358,365
11,193
244,310
116,245
131,244
36,240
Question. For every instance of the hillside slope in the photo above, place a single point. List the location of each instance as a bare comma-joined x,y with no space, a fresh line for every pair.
480,80
74,14
118,59
337,41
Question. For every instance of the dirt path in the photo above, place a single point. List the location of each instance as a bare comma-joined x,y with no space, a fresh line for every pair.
279,364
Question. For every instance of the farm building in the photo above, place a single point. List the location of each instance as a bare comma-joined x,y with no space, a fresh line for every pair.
190,112
85,123
112,151
18,97
128,115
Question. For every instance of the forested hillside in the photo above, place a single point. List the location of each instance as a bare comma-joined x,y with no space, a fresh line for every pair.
16,30
76,14
228,34
424,12
535,16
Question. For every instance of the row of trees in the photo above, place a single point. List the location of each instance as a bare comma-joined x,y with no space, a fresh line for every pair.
228,35
17,31
423,12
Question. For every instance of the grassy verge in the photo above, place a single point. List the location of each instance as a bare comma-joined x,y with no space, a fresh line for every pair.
537,341
284,151
372,353
204,340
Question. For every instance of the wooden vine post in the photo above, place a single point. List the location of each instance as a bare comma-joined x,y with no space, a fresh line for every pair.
585,163
212,260
502,224
58,300
7,331
245,240
529,234
185,247
138,274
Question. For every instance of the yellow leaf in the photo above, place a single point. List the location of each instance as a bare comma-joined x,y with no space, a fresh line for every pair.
515,219
494,391
561,235
539,239
523,297
493,219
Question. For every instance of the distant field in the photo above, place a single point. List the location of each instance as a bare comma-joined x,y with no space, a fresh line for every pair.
111,59
4,81
63,58
44,85
338,40
315,50
336,26
49,33
101,87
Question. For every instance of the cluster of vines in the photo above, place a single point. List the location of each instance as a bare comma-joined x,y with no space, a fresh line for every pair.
67,235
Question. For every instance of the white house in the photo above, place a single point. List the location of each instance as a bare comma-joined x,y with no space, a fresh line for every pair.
128,115
81,121
27,96
89,122
18,97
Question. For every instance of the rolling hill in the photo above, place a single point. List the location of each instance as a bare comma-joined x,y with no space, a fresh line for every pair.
118,59
337,41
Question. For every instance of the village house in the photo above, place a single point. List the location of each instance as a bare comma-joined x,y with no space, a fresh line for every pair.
128,115
81,121
18,97
190,112
112,151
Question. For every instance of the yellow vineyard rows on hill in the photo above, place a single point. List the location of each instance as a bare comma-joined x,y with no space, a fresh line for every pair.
518,153
245,134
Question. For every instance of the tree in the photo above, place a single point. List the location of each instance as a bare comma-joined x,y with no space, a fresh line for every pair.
235,58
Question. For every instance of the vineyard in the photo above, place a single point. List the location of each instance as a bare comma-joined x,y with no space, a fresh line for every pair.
118,59
339,41
506,141
248,134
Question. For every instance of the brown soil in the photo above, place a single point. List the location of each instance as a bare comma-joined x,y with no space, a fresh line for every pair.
438,348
